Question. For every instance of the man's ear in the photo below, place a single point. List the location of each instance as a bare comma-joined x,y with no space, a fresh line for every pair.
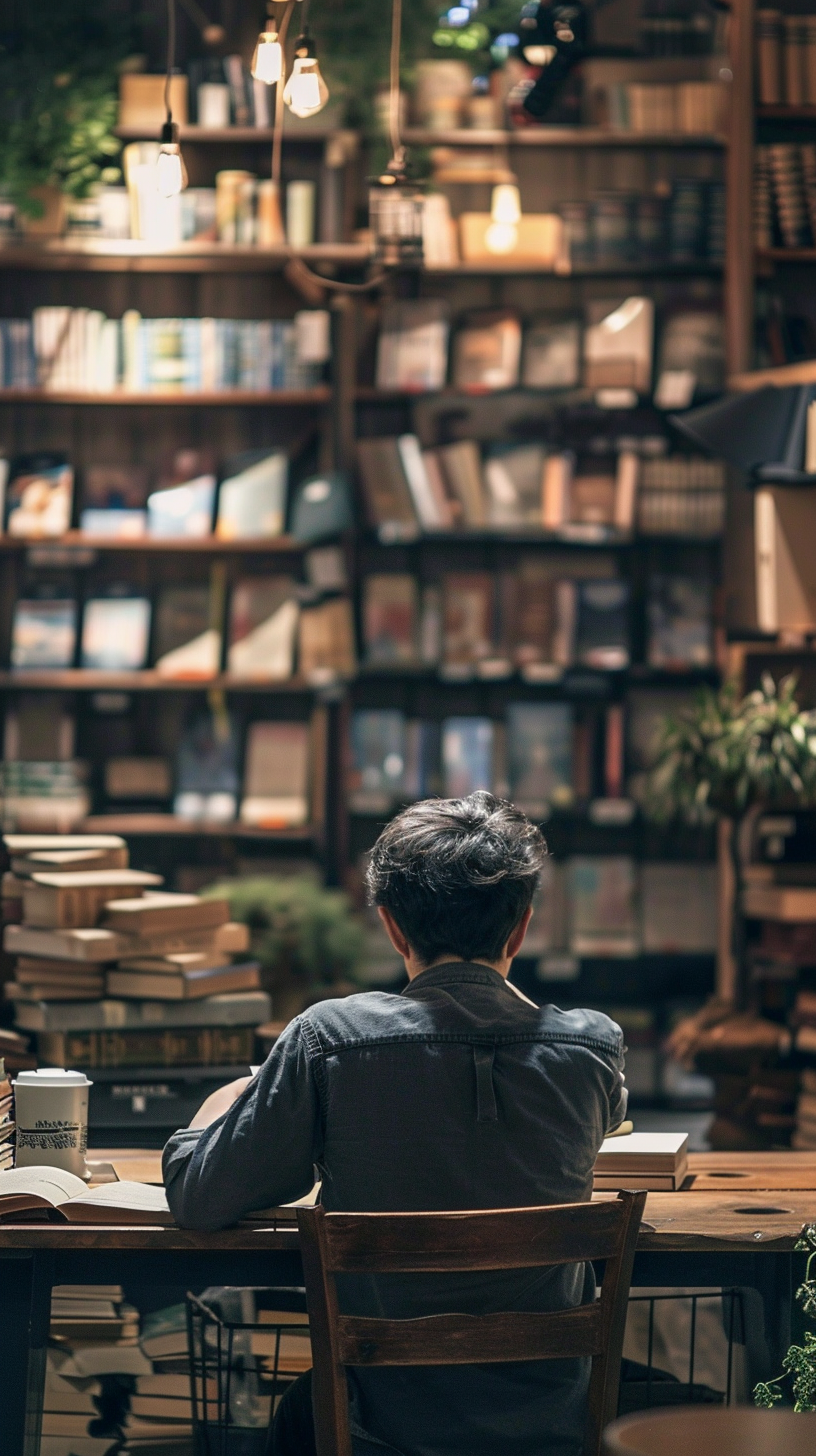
394,933
516,940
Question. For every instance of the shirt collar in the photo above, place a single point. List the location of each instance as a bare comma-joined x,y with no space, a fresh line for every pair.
456,972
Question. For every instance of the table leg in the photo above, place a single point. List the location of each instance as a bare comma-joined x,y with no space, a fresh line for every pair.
26,1303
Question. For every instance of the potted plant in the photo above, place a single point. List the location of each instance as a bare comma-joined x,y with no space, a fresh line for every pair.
726,757
799,1364
309,943
58,99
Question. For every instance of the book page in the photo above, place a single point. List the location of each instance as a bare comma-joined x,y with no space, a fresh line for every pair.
52,1185
126,1195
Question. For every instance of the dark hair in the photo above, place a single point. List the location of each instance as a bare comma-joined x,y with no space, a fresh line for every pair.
457,875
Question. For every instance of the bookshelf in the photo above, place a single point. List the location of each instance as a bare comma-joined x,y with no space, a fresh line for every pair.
124,255
561,136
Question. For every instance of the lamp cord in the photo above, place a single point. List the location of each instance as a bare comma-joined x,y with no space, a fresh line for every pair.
171,54
277,139
394,97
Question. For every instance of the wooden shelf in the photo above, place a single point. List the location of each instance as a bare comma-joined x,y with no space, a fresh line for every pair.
127,255
89,680
505,267
169,826
786,255
158,546
558,136
294,131
787,113
294,398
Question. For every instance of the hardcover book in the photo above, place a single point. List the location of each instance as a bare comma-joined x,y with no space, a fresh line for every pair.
182,510
552,355
387,497
378,759
468,613
486,353
412,351
602,629
326,641
679,612
44,632
115,632
514,479
114,501
276,775
186,643
467,756
603,906
262,628
539,755
390,618
39,496
252,499
462,466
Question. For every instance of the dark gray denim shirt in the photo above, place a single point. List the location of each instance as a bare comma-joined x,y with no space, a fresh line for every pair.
460,1093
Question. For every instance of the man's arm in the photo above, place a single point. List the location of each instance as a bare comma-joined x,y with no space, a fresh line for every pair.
260,1150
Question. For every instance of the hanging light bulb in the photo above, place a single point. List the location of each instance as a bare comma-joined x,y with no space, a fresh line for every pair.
305,93
267,61
171,173
505,216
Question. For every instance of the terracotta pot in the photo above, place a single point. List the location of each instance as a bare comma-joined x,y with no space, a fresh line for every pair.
52,221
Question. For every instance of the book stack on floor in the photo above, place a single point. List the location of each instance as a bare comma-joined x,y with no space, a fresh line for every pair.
161,1413
93,1354
657,1161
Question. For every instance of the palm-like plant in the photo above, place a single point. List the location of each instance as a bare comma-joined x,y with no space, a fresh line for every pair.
728,754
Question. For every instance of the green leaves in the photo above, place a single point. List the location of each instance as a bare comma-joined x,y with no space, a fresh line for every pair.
725,754
799,1363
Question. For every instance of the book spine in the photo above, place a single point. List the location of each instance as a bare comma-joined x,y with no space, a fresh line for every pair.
204,1046
765,564
793,60
769,56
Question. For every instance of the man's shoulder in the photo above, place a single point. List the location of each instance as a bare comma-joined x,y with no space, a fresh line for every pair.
381,1016
350,1019
583,1026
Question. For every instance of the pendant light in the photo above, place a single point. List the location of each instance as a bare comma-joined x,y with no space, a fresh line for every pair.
396,205
171,173
267,59
305,93
505,216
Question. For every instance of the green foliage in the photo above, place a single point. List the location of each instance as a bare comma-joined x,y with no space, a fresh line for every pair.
725,754
300,932
58,87
799,1364
355,41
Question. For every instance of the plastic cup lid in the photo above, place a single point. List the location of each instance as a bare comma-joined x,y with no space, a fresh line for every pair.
51,1077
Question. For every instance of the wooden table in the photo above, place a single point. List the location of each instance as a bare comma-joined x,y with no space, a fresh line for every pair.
698,1237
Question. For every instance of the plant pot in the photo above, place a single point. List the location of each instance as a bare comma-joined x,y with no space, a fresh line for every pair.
51,223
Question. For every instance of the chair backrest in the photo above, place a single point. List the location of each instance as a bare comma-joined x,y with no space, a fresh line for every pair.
451,1243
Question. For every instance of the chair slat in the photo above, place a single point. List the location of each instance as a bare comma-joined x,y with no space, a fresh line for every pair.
497,1239
478,1339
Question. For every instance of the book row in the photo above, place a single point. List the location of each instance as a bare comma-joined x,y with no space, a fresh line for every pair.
270,633
533,620
786,58
785,195
611,348
542,756
590,494
267,776
688,226
79,349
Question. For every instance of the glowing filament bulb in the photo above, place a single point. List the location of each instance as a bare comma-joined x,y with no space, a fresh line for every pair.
171,173
305,92
505,216
267,62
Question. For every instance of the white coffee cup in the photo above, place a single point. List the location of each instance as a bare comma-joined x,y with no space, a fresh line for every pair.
51,1112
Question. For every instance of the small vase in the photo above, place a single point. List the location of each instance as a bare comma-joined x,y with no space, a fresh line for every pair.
51,222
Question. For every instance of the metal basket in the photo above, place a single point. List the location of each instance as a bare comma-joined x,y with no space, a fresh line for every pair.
234,1386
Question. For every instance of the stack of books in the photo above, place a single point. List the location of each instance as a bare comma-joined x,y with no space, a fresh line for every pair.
786,58
657,1161
681,495
160,1408
7,1125
93,1354
785,195
113,973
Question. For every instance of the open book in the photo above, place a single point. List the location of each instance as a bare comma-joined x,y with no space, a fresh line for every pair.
54,1194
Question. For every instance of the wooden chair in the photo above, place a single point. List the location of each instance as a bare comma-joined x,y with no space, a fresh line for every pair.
455,1243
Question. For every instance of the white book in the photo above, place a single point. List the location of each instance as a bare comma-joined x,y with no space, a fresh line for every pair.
643,1152
132,350
199,658
416,473
107,361
626,484
267,653
209,356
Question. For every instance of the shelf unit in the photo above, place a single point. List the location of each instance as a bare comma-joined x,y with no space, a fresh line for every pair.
548,135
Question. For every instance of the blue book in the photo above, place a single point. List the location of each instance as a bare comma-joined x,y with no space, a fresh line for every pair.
539,756
378,759
43,632
602,626
467,755
182,510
